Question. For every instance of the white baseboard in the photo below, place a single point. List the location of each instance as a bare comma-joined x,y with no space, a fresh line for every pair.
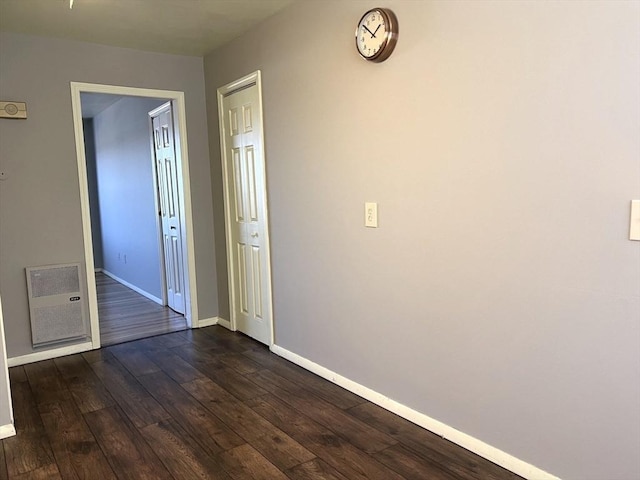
133,287
98,270
7,431
207,322
49,354
468,442
224,323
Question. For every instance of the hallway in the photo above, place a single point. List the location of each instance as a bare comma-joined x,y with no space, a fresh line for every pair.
126,315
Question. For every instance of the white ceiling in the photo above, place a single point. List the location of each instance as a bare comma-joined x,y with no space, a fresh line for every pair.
186,27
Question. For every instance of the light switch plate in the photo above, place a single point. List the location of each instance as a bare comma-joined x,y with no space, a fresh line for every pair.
371,214
634,222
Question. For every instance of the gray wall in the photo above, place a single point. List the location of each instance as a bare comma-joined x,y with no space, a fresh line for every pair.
92,186
126,195
500,294
40,219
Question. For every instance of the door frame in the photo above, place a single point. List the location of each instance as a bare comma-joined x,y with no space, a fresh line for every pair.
178,101
224,91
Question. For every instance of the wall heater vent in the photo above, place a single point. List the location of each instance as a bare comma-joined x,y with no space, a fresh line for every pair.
56,304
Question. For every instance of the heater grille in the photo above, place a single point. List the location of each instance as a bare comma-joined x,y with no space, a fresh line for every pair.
54,281
56,304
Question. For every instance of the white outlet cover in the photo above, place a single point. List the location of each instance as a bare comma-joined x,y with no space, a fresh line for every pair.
371,214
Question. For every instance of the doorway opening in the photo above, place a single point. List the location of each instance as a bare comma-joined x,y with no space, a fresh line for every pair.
122,235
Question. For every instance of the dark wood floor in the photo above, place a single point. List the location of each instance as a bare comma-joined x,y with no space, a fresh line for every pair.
210,404
126,315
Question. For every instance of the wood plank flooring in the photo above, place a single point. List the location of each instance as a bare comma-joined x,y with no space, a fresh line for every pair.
126,315
210,404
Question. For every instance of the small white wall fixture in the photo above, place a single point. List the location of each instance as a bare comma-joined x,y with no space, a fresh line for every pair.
177,98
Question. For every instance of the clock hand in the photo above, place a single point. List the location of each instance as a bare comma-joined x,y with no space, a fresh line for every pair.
373,35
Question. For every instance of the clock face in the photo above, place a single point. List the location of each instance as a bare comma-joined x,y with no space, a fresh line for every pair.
372,34
376,34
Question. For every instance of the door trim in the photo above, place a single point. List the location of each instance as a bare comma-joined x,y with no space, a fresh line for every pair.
247,81
191,307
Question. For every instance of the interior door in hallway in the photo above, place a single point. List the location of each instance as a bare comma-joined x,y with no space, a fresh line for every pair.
169,198
246,211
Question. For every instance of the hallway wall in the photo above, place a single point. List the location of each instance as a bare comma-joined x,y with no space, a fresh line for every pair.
124,167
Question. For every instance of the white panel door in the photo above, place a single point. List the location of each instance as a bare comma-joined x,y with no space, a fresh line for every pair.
167,178
247,213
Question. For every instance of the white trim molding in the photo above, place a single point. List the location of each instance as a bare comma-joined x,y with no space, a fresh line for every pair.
223,322
468,442
208,322
133,287
8,430
49,354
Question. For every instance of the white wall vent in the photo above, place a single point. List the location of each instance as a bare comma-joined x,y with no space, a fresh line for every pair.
56,303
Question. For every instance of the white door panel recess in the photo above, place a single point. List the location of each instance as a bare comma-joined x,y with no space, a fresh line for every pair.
169,205
240,112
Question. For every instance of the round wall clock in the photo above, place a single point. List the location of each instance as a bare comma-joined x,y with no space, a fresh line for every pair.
377,34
